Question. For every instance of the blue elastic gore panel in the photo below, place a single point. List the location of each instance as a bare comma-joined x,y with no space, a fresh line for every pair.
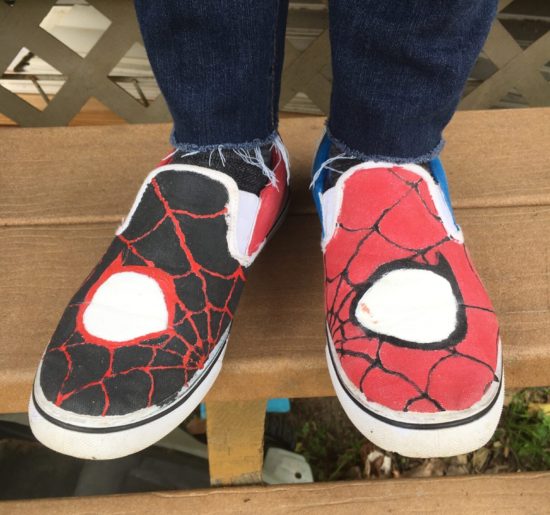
438,173
322,155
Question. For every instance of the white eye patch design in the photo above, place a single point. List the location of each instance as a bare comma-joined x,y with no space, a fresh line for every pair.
126,306
411,304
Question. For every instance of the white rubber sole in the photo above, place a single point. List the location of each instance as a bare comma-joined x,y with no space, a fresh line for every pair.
112,442
425,442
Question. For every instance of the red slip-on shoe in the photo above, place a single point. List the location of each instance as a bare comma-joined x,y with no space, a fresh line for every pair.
413,345
142,341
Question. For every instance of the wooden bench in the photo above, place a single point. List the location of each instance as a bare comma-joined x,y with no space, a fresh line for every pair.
507,493
64,190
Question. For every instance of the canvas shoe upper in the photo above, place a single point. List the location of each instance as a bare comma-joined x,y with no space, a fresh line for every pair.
142,340
413,339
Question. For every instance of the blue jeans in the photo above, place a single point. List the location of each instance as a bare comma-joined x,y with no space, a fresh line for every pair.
399,67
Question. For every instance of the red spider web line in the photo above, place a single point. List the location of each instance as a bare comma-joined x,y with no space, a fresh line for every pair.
196,354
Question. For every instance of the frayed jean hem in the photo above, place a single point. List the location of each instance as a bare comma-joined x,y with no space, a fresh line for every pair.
247,145
424,158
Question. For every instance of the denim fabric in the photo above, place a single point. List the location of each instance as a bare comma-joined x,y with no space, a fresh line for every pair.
399,67
218,65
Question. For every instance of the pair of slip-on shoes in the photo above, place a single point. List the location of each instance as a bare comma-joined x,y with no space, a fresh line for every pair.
413,346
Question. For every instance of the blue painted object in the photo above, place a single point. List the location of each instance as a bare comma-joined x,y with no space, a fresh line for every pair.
278,406
438,173
322,155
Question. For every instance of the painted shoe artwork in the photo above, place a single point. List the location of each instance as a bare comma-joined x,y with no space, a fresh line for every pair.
413,344
142,341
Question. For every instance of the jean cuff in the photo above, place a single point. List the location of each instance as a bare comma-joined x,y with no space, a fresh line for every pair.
424,158
250,152
247,145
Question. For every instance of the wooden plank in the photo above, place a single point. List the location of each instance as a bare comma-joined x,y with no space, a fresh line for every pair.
235,432
277,342
79,174
508,493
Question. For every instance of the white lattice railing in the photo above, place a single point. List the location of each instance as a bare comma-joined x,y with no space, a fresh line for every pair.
57,55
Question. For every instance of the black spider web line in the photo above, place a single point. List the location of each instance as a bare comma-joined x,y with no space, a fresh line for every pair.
337,324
